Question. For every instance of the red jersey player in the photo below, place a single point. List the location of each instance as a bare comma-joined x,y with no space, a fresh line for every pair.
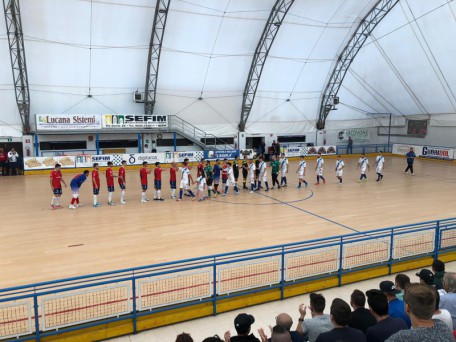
56,186
173,179
95,185
157,182
143,172
122,182
200,168
110,182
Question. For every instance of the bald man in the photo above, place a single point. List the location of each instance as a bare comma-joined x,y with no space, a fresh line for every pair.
278,334
285,321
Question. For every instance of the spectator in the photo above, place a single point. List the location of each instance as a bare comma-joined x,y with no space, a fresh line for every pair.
350,145
12,161
214,338
426,277
263,148
396,307
448,301
401,282
243,324
184,337
277,149
340,315
3,160
442,314
386,326
361,318
438,267
420,305
278,334
285,321
319,322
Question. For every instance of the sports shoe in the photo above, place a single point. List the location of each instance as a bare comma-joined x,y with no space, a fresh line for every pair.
161,199
58,207
413,174
251,191
223,194
156,199
307,184
71,206
193,198
236,192
147,200
96,205
143,201
317,184
78,205
266,190
111,203
123,202
272,188
324,181
298,187
173,197
52,207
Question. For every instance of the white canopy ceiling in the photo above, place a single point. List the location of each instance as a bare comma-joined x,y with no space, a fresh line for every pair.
100,47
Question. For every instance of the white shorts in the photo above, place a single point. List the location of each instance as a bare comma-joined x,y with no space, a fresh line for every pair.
200,187
340,173
363,172
379,169
265,177
301,175
230,182
252,179
320,172
184,185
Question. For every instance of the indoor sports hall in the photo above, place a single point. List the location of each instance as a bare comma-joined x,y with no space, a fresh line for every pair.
168,165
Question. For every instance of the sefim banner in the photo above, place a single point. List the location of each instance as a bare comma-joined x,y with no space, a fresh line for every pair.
76,122
116,121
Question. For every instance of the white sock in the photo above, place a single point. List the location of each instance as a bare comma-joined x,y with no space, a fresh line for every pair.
57,201
143,196
159,194
95,199
53,200
155,193
173,192
122,195
109,197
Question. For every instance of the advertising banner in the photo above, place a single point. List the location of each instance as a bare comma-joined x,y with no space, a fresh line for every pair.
102,160
357,134
432,152
228,154
39,163
296,151
72,122
179,157
139,158
116,121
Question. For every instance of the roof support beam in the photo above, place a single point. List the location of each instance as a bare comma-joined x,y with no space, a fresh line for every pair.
276,17
153,62
18,64
345,59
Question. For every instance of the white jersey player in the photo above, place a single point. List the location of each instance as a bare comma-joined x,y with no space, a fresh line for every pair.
252,169
363,165
263,176
283,170
319,169
201,181
340,168
301,171
186,177
230,181
379,161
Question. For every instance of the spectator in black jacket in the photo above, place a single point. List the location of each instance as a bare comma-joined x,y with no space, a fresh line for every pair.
361,318
243,324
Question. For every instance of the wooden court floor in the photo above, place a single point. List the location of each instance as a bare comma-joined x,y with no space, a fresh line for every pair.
38,244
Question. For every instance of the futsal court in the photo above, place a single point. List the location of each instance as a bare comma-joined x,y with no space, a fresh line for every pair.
39,244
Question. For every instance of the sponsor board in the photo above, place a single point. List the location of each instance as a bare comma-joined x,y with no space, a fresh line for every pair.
222,154
39,163
139,158
293,151
179,157
102,160
432,152
357,134
58,122
116,121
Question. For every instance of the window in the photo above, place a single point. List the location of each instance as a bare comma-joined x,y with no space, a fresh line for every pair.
292,139
170,142
118,143
220,141
62,145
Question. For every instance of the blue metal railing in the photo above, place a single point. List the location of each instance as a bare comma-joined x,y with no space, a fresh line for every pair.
369,148
400,243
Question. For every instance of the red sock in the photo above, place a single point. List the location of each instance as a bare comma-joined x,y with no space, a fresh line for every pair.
216,187
72,201
77,200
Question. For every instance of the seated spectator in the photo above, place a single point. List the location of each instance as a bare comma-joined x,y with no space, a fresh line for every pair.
441,314
401,282
285,321
427,278
396,307
340,315
361,318
214,338
242,323
420,305
448,301
278,334
386,326
184,337
438,267
318,323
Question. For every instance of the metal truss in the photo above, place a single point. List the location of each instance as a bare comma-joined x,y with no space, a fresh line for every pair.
371,20
153,62
278,13
17,55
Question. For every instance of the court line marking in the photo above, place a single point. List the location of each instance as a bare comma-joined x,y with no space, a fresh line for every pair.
311,213
423,175
277,203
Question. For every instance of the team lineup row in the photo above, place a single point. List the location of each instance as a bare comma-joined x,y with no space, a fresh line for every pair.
208,178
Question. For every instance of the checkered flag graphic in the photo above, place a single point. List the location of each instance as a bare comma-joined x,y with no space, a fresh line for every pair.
304,151
117,159
199,155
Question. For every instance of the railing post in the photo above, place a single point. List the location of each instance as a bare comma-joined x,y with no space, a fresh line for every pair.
175,141
133,292
282,275
390,262
97,142
214,289
437,241
37,317
340,261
